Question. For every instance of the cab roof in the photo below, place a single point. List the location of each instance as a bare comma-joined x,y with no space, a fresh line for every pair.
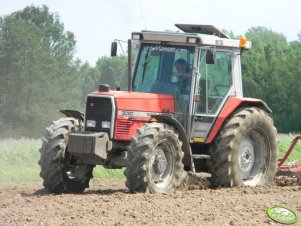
203,35
201,29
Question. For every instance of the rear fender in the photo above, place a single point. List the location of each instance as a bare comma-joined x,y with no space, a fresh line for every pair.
187,159
73,114
232,104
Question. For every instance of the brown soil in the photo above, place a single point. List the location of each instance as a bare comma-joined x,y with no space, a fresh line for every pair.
108,202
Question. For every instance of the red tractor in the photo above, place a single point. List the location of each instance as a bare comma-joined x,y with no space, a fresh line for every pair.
184,111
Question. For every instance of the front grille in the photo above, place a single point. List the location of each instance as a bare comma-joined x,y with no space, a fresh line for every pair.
99,109
123,127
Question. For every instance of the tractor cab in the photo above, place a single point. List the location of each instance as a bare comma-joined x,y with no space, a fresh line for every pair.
199,67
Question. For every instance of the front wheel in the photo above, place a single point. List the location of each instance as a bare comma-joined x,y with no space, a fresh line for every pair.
245,151
59,176
154,160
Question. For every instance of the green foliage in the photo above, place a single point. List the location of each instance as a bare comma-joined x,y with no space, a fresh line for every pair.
100,172
37,72
113,71
271,72
19,162
108,70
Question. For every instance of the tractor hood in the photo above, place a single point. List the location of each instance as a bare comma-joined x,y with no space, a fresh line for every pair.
131,102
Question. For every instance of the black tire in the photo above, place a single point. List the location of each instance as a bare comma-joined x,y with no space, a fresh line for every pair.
58,175
245,150
154,160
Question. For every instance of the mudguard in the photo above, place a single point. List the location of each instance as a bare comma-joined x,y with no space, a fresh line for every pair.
73,114
230,106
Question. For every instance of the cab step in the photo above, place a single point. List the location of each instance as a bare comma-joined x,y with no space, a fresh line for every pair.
199,175
195,156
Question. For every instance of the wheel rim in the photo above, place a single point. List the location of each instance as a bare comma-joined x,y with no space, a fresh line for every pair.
252,157
162,165
246,158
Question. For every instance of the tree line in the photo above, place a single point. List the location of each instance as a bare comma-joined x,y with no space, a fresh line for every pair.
40,75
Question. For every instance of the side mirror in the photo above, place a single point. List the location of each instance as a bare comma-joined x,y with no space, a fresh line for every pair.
114,49
210,56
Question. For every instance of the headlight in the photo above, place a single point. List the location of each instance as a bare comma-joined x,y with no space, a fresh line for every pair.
91,123
192,40
136,36
105,125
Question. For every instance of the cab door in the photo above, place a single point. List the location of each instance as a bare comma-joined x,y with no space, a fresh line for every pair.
214,85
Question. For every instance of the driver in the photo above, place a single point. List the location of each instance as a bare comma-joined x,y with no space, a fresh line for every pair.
181,68
183,76
183,79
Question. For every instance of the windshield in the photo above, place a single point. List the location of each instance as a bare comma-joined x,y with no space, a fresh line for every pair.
164,69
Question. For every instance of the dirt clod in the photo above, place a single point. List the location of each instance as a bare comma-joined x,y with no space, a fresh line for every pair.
287,181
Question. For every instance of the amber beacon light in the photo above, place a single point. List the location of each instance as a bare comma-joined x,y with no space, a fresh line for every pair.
243,42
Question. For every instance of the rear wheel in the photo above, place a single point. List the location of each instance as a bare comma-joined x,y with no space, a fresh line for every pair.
245,151
59,176
154,160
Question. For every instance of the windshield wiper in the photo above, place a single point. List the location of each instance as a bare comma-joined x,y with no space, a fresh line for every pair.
146,60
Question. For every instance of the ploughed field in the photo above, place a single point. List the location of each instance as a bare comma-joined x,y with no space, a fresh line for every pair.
108,202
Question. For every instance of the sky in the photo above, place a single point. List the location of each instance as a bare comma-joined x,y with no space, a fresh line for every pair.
96,23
